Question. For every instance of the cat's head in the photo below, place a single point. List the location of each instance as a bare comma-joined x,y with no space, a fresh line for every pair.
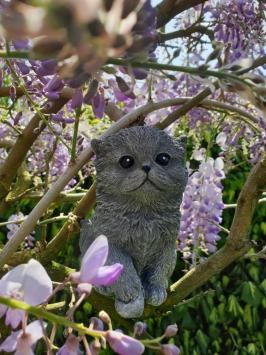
140,162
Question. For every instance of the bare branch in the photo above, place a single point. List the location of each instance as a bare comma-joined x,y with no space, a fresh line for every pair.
163,37
5,91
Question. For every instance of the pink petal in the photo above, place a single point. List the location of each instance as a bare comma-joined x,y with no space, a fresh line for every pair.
10,344
124,344
107,275
37,285
94,258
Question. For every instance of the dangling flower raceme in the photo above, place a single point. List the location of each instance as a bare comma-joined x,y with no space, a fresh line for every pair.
22,342
19,283
93,271
201,209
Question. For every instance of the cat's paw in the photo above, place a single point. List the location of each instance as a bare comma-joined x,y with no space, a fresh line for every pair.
132,309
155,295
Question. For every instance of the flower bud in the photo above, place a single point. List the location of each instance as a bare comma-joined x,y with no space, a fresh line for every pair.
171,330
139,328
170,349
105,317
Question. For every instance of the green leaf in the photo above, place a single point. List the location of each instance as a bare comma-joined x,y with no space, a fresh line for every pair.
252,349
254,272
263,227
202,340
248,316
225,280
234,307
213,317
251,294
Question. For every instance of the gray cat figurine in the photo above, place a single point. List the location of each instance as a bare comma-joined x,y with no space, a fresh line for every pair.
141,177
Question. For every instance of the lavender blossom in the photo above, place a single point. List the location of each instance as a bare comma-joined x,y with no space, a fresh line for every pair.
22,343
19,283
123,344
13,228
139,328
98,104
77,99
170,349
53,88
71,346
171,330
201,210
93,271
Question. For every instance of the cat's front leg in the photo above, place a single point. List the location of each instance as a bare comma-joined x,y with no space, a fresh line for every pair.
128,291
156,274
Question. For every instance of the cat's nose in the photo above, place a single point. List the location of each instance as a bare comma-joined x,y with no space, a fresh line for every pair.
146,168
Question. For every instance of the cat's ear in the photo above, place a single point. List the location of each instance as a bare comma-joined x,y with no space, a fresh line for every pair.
96,145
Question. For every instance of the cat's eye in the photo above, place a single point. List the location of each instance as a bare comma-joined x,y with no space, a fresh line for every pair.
163,159
126,161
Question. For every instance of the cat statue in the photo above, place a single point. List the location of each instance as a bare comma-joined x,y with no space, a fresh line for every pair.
141,176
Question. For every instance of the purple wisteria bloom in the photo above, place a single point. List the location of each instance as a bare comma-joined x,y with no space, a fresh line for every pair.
77,99
53,88
19,284
170,349
71,346
98,104
93,271
22,343
123,344
201,210
13,228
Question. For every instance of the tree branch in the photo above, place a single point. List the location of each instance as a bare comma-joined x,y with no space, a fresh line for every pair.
168,9
23,143
28,225
163,37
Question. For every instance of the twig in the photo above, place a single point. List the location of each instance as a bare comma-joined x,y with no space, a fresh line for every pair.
23,144
233,205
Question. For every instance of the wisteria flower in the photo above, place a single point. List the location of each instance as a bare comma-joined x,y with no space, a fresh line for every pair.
19,283
71,346
23,342
14,227
170,349
201,209
124,344
93,271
